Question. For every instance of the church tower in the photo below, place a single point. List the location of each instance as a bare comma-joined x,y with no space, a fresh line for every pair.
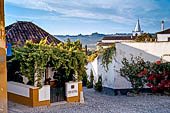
137,30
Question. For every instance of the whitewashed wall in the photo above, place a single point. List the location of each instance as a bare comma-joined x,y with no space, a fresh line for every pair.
149,51
24,90
71,92
163,37
19,89
94,66
44,93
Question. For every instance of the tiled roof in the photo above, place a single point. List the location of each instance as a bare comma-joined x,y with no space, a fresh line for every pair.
105,44
164,32
119,38
21,31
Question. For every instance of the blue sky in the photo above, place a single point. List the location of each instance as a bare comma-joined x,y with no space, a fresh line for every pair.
88,16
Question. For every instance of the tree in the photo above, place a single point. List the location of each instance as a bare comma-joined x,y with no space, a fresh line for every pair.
146,37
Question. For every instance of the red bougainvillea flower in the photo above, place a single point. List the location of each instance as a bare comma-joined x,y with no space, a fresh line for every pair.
158,75
145,71
140,74
158,62
154,89
149,84
161,86
163,81
151,78
165,74
167,85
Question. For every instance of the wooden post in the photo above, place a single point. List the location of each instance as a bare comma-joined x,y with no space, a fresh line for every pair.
3,67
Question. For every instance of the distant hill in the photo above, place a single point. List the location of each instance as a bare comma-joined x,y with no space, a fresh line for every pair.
89,40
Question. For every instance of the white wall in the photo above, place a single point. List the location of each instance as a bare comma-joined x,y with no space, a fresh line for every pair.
108,41
71,92
19,89
94,66
112,41
149,51
163,37
24,90
44,93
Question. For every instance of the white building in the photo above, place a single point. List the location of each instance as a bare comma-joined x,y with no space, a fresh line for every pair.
111,80
164,35
137,30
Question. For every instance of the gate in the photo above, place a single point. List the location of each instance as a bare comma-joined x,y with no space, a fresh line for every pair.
57,94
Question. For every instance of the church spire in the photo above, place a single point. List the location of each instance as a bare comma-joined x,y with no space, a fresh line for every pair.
137,28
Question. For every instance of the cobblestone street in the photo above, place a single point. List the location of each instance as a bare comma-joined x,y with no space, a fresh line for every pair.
99,103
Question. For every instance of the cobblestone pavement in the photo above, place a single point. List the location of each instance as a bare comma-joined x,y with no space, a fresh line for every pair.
99,103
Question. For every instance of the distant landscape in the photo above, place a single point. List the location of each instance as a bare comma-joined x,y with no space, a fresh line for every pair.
89,40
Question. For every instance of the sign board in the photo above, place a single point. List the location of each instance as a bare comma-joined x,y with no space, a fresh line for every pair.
71,89
8,50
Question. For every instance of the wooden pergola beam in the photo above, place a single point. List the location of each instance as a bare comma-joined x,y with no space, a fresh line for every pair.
3,66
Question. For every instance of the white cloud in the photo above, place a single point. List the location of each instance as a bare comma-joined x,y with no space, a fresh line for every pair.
120,11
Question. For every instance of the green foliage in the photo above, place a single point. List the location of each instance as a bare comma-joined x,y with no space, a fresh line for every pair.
13,73
34,58
107,56
132,72
90,83
84,80
91,76
146,37
98,85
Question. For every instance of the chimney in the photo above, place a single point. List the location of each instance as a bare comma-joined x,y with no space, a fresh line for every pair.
162,26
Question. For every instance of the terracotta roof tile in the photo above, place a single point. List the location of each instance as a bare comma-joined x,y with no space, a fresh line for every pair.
22,31
164,32
119,38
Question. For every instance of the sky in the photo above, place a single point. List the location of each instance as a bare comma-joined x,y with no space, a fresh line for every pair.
72,17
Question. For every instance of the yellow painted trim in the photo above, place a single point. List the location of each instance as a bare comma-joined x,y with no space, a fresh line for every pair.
76,98
80,88
72,99
32,101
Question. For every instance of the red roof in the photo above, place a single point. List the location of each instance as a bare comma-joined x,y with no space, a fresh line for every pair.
106,44
164,32
119,38
21,31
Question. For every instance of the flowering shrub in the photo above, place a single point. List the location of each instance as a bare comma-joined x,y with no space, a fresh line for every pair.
134,70
159,77
155,75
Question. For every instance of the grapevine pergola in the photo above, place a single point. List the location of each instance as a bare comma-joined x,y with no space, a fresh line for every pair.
35,57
